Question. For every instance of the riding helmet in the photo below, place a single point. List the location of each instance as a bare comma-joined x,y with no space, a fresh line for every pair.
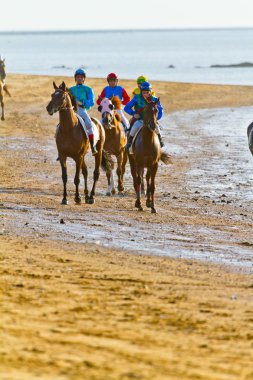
146,86
80,72
112,76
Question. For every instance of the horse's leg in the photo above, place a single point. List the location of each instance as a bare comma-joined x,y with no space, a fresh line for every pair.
110,181
98,159
77,180
148,201
64,179
138,188
142,184
2,105
152,186
133,170
119,171
85,177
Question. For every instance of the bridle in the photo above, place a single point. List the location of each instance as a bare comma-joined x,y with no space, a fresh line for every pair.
61,108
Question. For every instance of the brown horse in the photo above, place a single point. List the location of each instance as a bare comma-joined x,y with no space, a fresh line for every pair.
250,137
71,141
3,88
115,140
146,154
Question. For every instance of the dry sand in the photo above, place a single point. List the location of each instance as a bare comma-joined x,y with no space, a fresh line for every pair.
73,310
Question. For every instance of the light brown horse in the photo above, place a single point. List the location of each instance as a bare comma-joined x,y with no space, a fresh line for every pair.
115,140
71,141
3,88
147,154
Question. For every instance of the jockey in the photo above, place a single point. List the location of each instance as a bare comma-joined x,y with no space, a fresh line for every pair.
85,100
139,81
114,90
138,103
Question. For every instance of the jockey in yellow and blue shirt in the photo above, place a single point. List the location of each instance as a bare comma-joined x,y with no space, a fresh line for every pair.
85,100
136,107
139,81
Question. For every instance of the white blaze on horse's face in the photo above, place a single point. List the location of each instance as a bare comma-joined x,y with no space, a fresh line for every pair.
107,106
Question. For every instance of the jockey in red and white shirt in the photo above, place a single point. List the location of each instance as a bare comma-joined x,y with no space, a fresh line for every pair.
114,90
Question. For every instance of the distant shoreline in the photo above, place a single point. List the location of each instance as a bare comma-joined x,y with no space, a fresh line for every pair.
84,31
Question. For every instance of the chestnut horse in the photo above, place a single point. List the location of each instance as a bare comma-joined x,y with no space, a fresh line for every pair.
3,88
146,154
115,140
71,141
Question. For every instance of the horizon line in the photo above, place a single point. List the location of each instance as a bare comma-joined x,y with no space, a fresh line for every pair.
50,31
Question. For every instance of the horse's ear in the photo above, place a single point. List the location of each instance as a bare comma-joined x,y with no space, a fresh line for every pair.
111,106
99,108
55,87
63,86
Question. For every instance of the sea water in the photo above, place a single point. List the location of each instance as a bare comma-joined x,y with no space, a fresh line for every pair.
168,55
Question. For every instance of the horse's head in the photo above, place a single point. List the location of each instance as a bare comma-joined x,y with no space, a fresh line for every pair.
60,99
150,115
107,110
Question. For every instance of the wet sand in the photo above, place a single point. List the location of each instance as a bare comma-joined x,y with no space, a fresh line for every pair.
78,299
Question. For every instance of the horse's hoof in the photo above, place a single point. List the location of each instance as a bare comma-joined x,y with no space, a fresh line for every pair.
120,188
78,200
137,204
91,201
108,193
140,208
113,191
2,118
148,203
87,200
120,194
153,210
64,202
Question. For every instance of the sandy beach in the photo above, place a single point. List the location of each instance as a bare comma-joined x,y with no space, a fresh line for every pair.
80,300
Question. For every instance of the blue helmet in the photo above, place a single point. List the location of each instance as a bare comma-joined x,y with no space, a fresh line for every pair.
80,72
145,86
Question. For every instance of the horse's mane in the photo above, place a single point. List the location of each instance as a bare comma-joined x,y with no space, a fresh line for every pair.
116,102
73,99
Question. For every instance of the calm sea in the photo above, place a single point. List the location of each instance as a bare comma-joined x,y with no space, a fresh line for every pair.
170,55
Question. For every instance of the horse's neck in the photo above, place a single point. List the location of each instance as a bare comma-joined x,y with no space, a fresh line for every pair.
68,119
148,135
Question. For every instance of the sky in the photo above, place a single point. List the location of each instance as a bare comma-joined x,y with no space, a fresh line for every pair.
28,15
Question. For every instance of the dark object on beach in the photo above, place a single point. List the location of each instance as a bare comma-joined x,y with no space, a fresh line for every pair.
171,67
250,137
243,64
62,221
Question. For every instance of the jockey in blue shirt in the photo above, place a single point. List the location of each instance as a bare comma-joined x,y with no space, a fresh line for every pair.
85,100
136,107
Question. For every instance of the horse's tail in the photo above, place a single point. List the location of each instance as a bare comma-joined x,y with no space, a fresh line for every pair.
6,90
166,158
107,161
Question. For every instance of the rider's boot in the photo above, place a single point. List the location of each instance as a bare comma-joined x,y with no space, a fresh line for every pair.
93,147
129,142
